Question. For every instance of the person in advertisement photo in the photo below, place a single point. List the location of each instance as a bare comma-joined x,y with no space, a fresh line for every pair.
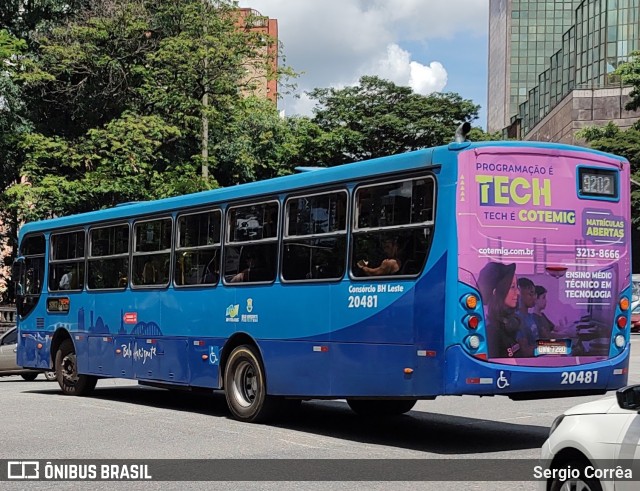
528,335
499,290
545,326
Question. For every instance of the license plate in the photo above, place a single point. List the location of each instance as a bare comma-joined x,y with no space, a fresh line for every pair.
552,348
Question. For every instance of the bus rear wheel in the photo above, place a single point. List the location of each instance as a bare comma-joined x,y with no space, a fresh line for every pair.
245,386
69,380
29,377
381,407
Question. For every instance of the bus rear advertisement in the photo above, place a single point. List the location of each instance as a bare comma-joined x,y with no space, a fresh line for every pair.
496,268
545,238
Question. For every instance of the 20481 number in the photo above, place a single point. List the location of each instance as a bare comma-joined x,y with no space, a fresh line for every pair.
360,301
582,377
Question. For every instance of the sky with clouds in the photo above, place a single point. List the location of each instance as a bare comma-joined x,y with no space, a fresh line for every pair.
429,45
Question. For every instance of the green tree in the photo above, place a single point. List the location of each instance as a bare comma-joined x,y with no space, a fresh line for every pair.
13,126
115,94
13,123
254,143
478,134
377,118
630,75
626,143
23,17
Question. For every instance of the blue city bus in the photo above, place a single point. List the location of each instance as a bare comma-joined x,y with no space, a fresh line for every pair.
494,268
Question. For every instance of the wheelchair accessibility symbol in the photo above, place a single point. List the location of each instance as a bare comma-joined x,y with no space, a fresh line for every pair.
502,382
214,355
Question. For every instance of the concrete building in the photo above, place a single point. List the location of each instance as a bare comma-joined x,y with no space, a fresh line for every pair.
575,86
261,76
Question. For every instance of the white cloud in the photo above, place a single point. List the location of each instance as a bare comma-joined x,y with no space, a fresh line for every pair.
303,104
335,42
397,66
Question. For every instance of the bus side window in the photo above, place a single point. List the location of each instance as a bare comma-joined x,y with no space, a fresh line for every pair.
315,241
152,252
66,267
252,246
393,224
197,258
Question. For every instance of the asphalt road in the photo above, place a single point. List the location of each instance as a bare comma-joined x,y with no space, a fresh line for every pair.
124,421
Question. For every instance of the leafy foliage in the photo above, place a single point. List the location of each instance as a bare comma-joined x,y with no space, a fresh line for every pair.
626,143
255,143
378,117
630,75
115,95
478,134
13,126
20,17
13,123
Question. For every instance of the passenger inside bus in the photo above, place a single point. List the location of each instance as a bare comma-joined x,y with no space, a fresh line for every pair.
149,273
389,266
66,282
254,270
211,271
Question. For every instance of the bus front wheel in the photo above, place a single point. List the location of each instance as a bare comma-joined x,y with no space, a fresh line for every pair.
69,380
245,386
381,407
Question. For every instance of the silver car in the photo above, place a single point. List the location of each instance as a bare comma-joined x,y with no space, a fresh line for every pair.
8,365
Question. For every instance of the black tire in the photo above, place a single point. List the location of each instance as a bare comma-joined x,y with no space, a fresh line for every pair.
69,380
381,407
582,483
29,377
245,386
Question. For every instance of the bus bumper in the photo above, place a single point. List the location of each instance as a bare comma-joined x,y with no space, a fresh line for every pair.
468,375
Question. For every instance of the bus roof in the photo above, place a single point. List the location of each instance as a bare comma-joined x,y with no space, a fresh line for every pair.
318,177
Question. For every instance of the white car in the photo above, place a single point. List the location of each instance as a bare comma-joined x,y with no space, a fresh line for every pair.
595,446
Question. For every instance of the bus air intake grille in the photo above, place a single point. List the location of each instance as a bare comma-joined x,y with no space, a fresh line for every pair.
39,322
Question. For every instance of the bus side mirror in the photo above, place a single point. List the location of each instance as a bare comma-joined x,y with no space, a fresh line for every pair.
629,397
17,273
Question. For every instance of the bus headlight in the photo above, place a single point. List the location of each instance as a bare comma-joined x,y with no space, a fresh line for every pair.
620,341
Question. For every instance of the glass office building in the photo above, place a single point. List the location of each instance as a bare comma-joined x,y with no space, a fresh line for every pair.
523,35
604,34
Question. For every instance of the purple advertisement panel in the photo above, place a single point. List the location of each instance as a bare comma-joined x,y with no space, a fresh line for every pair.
544,236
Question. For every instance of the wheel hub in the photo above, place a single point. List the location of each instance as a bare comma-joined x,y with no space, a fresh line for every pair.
69,371
245,384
